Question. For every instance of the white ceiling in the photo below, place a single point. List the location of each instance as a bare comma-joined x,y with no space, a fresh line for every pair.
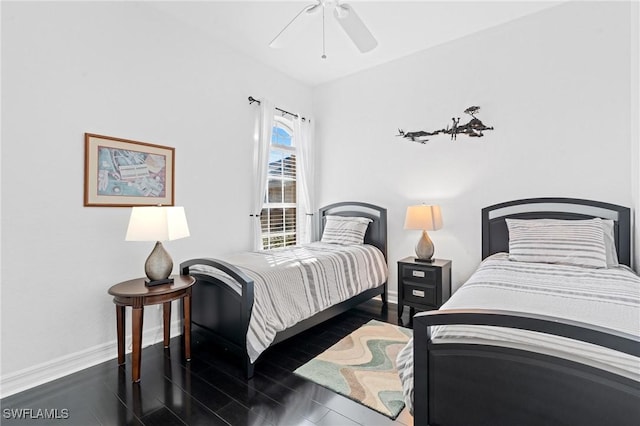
401,28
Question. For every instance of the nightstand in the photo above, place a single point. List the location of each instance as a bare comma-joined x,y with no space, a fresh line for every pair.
423,285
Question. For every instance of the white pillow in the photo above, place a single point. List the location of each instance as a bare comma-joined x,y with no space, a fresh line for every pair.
345,230
571,242
610,243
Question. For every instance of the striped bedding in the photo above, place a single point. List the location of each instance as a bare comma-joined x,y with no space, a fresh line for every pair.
605,297
294,283
569,242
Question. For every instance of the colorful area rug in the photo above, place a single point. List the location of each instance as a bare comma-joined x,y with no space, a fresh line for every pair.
362,366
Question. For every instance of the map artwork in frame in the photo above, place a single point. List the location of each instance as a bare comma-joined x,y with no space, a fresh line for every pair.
123,173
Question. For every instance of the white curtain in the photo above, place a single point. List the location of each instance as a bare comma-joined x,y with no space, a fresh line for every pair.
264,129
303,134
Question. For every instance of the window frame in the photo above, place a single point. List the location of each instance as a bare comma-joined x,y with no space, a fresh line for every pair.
269,236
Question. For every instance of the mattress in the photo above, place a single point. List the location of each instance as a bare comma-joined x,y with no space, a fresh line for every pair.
607,298
294,283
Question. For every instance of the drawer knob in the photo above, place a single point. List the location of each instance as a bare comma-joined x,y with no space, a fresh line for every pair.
419,274
418,293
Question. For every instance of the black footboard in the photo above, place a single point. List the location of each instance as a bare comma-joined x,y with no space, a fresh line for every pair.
220,309
464,384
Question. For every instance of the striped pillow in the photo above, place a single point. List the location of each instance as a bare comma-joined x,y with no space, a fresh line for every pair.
610,243
345,230
571,242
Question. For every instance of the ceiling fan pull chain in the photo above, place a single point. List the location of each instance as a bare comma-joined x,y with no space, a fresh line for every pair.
324,54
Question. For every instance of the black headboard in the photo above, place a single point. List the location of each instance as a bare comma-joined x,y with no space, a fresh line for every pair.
376,231
495,235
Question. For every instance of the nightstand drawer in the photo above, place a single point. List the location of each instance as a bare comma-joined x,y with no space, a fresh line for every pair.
419,275
423,286
422,294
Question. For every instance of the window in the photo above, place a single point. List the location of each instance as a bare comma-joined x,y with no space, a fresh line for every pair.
278,216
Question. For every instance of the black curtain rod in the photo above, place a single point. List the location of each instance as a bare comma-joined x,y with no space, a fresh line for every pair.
252,100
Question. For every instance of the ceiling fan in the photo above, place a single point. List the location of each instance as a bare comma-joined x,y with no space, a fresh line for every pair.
346,17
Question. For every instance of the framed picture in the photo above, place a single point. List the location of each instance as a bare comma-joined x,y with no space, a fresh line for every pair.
123,173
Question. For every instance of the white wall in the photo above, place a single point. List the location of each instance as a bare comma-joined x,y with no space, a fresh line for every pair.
556,86
124,70
634,35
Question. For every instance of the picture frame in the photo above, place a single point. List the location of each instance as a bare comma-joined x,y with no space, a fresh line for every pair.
124,173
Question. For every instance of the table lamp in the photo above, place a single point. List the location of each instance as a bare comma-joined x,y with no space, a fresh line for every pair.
424,218
157,224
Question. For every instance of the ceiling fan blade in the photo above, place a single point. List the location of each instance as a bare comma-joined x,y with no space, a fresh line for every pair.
355,28
279,40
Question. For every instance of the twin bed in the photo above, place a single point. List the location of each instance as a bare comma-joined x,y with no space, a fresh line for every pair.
250,301
545,334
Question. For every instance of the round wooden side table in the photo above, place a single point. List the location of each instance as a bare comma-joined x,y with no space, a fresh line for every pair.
136,294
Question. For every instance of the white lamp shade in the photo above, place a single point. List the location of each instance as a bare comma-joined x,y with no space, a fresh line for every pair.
157,224
423,217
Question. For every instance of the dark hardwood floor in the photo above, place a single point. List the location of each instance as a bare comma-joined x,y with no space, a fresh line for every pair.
211,388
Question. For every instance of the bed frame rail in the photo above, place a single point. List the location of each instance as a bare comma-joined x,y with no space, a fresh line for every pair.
601,336
527,388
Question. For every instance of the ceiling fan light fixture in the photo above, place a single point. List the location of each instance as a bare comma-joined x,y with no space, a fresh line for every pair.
355,28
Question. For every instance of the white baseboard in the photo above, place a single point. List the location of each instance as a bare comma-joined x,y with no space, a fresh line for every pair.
392,296
33,376
28,378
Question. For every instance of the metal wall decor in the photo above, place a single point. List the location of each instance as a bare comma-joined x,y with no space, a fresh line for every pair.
473,128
